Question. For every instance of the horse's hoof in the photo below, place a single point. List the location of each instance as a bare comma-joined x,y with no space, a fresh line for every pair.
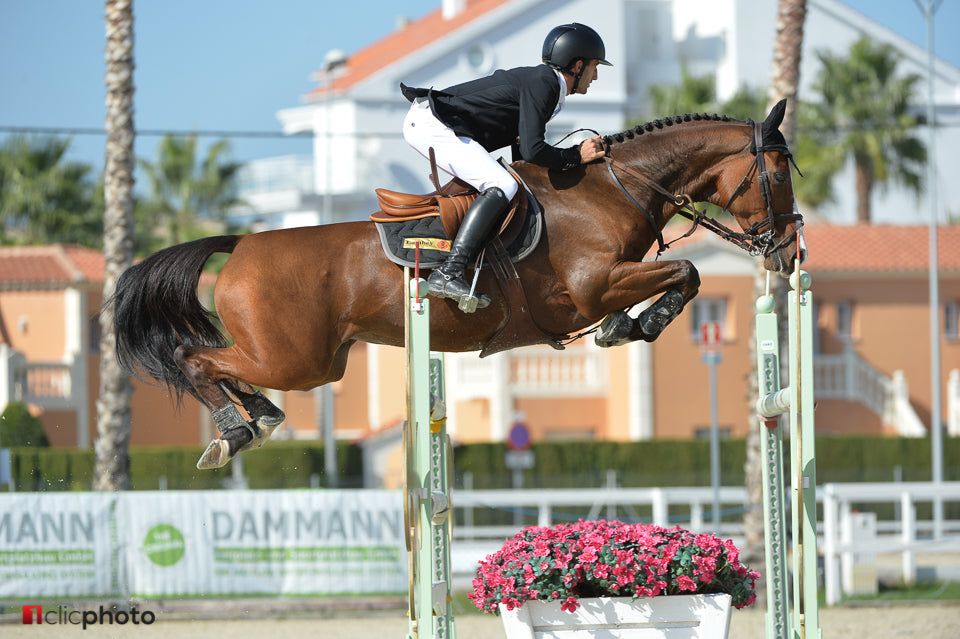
265,428
614,330
216,455
653,320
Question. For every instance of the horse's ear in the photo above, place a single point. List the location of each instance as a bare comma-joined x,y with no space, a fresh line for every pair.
775,117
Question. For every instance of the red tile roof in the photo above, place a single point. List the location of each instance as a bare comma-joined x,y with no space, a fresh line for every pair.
880,248
33,266
400,43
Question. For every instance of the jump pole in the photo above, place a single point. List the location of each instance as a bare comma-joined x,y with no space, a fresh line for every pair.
797,400
427,471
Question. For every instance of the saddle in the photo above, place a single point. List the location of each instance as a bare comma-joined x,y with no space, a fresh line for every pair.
431,221
450,202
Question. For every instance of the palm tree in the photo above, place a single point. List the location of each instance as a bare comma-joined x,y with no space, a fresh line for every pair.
112,470
43,197
182,191
865,114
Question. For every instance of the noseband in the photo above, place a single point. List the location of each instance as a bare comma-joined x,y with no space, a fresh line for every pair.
754,240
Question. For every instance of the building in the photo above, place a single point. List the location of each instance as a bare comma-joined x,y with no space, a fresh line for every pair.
871,302
49,351
357,106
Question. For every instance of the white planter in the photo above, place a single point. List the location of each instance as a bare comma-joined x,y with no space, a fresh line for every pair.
664,617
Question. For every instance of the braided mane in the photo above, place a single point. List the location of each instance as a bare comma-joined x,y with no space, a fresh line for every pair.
665,122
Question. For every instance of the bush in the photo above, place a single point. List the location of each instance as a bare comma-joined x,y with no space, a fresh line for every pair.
19,428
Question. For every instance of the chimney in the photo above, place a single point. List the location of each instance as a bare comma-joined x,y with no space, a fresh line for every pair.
453,7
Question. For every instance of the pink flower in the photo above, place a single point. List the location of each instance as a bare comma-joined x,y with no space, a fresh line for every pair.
686,583
609,558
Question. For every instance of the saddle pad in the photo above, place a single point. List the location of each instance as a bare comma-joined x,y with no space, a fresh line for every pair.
393,234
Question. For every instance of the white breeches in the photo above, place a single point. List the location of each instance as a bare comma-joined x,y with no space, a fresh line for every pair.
458,156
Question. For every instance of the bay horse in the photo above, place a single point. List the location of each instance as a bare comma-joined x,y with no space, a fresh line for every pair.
294,301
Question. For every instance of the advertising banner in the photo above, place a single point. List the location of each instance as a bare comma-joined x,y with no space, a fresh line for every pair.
57,544
190,543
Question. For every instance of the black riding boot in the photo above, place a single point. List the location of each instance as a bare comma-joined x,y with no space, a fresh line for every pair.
480,220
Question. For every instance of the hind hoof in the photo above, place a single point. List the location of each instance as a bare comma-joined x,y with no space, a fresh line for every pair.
216,455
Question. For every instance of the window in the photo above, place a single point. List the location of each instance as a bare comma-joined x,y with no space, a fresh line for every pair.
845,320
708,309
951,320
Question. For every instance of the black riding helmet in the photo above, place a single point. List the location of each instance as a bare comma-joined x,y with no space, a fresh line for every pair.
568,43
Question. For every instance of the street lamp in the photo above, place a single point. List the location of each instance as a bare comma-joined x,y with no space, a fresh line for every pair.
928,8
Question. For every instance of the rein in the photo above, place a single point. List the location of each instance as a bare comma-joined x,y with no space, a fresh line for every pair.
751,239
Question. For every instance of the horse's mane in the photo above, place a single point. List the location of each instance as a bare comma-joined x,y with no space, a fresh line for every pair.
653,125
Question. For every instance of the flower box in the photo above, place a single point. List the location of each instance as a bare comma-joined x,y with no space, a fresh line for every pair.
673,617
611,579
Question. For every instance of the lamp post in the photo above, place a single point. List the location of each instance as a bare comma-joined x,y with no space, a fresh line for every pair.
333,62
928,8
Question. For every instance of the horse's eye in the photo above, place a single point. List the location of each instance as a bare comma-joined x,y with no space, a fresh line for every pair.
781,177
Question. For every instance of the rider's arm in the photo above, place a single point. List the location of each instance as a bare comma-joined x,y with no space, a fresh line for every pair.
538,99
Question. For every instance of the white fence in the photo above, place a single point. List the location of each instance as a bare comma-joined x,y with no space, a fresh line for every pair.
189,543
688,508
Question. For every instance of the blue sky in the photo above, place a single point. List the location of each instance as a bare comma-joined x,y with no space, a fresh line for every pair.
230,65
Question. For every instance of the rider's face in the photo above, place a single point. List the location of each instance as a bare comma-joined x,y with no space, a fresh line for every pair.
588,76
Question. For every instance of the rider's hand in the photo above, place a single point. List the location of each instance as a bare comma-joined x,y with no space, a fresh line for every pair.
591,149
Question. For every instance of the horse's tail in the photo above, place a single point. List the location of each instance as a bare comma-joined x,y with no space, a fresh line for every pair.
156,309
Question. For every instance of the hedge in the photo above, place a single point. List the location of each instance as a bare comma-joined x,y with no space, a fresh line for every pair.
299,464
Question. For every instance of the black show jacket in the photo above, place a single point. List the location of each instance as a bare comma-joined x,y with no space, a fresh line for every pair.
507,108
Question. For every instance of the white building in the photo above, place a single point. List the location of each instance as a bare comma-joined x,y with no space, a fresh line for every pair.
355,113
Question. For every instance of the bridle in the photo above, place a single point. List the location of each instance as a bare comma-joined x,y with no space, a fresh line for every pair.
755,240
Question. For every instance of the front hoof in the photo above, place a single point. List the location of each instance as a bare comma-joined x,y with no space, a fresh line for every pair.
614,330
216,455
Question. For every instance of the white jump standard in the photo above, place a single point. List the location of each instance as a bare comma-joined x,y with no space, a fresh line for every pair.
797,399
427,470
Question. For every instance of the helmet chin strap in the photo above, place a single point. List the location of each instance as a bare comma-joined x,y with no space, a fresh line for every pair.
577,75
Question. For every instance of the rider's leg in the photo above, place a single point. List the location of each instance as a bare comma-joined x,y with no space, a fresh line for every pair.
481,219
468,160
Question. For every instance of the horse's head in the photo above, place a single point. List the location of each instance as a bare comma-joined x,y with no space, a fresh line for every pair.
755,187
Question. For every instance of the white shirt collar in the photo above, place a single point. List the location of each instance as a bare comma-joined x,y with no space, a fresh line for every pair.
563,94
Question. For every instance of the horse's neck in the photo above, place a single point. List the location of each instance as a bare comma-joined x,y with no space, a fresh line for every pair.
679,158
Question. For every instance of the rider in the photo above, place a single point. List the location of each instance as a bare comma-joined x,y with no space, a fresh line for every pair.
466,122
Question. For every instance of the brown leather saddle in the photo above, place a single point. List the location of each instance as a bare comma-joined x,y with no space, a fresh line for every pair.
450,203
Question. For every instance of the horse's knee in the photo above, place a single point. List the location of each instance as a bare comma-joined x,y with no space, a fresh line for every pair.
690,277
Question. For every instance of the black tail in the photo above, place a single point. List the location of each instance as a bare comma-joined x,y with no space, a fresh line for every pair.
156,309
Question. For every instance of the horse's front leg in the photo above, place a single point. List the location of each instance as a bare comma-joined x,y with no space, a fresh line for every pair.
678,282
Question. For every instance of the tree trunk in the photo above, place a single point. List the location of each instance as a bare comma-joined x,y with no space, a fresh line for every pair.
864,174
784,82
112,470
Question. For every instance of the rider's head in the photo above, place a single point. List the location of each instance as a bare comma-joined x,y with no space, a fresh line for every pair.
573,49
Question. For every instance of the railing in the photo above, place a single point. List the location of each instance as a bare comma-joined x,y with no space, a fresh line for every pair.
851,378
50,385
905,536
953,403
529,372
689,508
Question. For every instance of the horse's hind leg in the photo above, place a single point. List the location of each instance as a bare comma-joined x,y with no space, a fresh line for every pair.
261,410
236,433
